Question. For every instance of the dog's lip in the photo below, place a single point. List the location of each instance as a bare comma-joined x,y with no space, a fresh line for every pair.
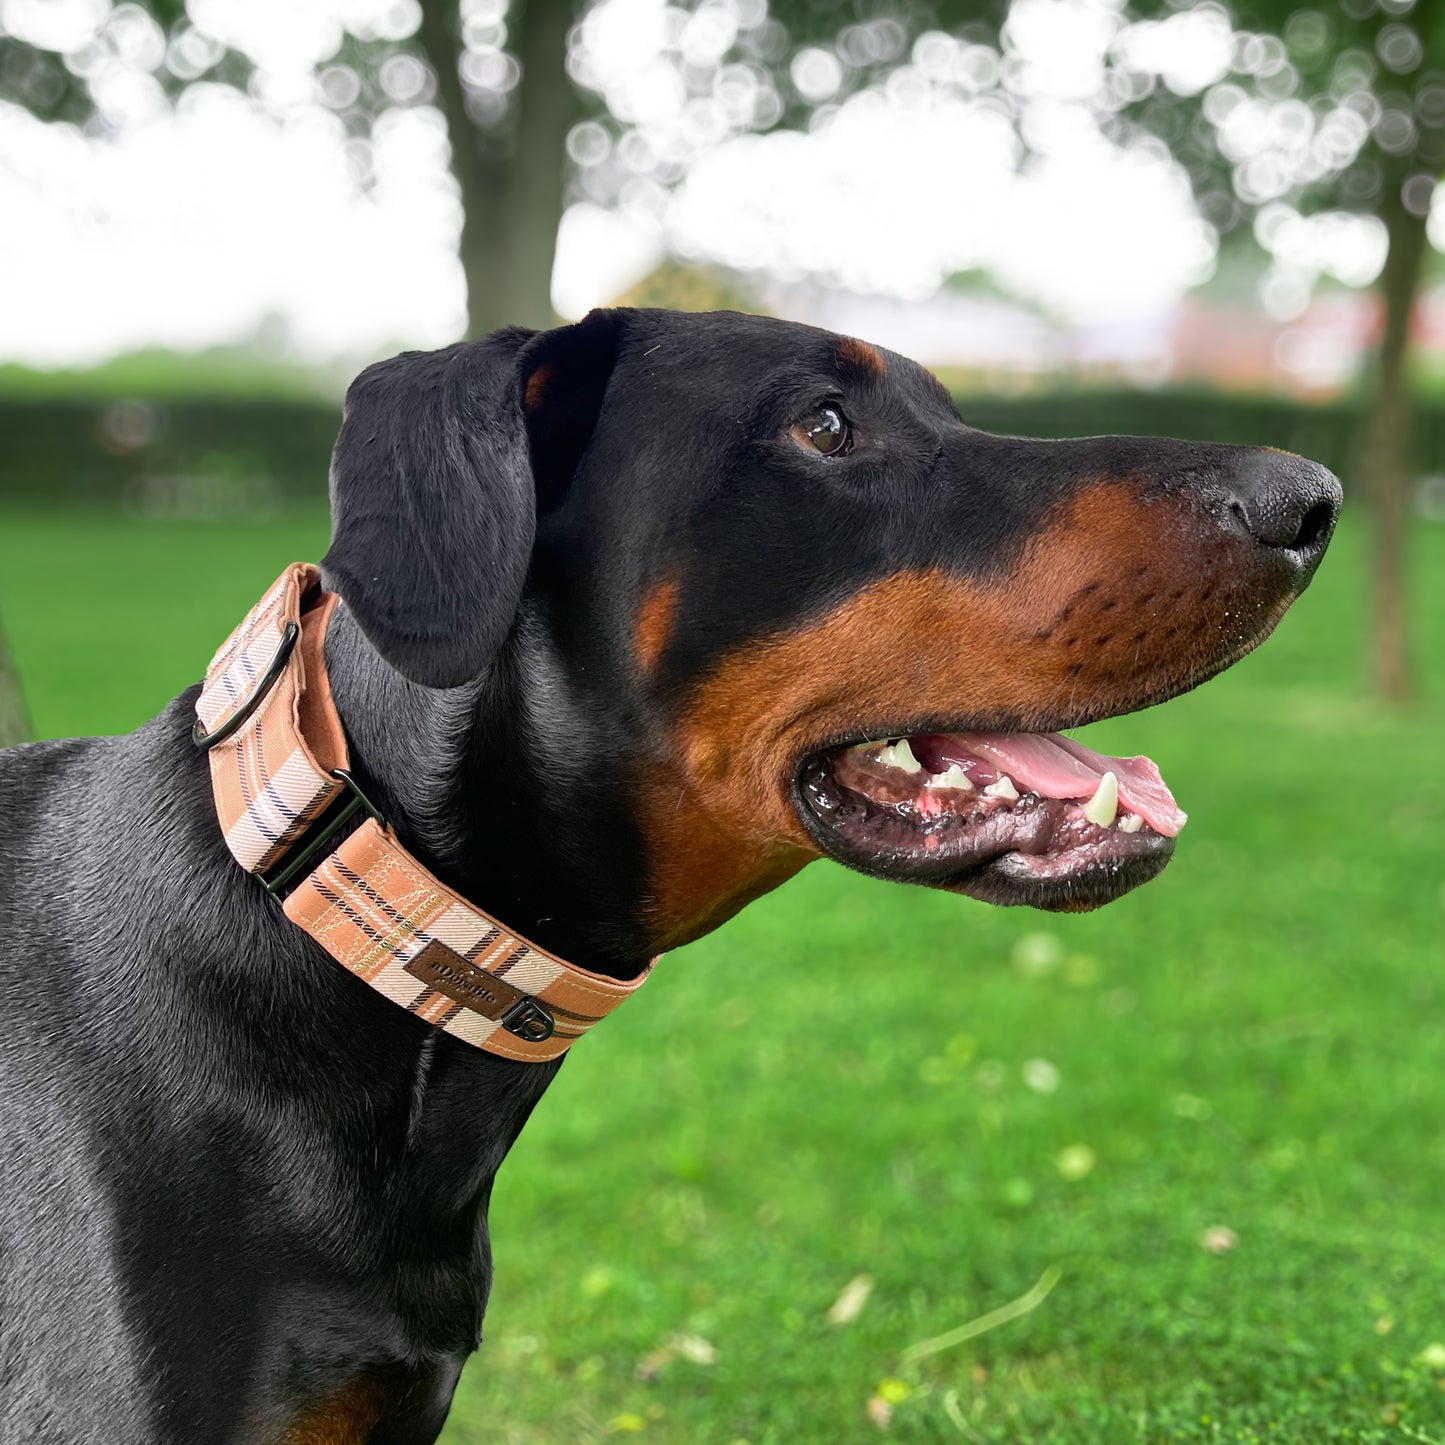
1028,849
1065,883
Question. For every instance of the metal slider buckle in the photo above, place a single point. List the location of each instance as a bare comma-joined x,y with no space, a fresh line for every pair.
238,719
529,1020
302,855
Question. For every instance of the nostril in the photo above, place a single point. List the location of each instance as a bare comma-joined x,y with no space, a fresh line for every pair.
1314,528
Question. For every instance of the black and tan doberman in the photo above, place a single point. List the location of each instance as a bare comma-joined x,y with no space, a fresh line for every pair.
639,616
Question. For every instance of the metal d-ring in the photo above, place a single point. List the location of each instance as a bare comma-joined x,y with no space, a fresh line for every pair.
238,719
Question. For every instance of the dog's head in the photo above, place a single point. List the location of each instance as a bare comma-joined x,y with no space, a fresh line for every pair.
800,608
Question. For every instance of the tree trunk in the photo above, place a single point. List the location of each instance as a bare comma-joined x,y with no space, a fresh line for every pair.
14,725
1389,458
511,189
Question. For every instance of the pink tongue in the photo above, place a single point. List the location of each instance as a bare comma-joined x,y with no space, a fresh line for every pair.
1057,767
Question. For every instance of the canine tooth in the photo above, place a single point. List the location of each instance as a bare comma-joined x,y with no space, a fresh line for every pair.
1004,788
900,756
1103,807
955,777
1130,823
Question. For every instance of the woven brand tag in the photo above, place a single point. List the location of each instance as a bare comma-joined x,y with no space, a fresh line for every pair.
440,968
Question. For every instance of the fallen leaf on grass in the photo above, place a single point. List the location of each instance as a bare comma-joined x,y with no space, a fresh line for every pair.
851,1299
687,1347
1024,1304
696,1349
890,1392
654,1362
1218,1239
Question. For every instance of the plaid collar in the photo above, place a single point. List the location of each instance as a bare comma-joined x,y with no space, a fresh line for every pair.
287,804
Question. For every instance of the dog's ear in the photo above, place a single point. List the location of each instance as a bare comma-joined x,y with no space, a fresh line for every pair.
432,510
564,376
435,484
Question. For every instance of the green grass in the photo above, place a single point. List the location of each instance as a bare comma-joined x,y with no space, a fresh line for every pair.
838,1083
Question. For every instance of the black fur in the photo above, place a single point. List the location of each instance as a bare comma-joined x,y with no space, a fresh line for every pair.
235,1181
433,507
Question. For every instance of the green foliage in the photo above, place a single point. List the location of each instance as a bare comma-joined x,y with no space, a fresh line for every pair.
1382,62
113,452
858,1078
119,452
158,375
41,80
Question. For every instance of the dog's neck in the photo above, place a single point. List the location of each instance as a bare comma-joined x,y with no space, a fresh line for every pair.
499,787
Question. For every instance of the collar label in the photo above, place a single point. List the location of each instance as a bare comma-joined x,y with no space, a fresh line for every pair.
440,968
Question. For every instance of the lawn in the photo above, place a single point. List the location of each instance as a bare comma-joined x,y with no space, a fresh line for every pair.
1211,1116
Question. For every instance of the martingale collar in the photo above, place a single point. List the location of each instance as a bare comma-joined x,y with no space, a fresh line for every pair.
285,798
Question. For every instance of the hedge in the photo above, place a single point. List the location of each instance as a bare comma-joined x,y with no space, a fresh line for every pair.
219,457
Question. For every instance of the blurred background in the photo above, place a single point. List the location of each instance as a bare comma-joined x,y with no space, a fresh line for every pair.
1171,1172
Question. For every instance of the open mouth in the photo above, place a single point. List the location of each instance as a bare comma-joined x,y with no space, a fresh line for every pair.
1033,818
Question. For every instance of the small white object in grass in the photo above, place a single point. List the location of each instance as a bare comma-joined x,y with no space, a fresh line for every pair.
1036,954
1041,1076
1219,1239
851,1299
695,1348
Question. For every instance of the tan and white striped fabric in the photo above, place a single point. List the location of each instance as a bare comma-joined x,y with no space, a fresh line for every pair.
269,786
368,902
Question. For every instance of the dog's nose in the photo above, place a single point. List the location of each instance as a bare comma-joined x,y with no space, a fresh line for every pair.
1289,505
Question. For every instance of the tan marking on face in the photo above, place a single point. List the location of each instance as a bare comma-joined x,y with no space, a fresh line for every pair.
858,353
537,385
1110,604
654,623
345,1419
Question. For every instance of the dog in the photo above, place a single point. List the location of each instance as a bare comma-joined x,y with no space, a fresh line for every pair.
637,617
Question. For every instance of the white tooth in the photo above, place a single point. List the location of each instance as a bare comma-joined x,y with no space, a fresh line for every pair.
903,758
1130,823
1004,788
1103,807
955,777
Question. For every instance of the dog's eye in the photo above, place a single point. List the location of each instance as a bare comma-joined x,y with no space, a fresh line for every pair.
825,430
